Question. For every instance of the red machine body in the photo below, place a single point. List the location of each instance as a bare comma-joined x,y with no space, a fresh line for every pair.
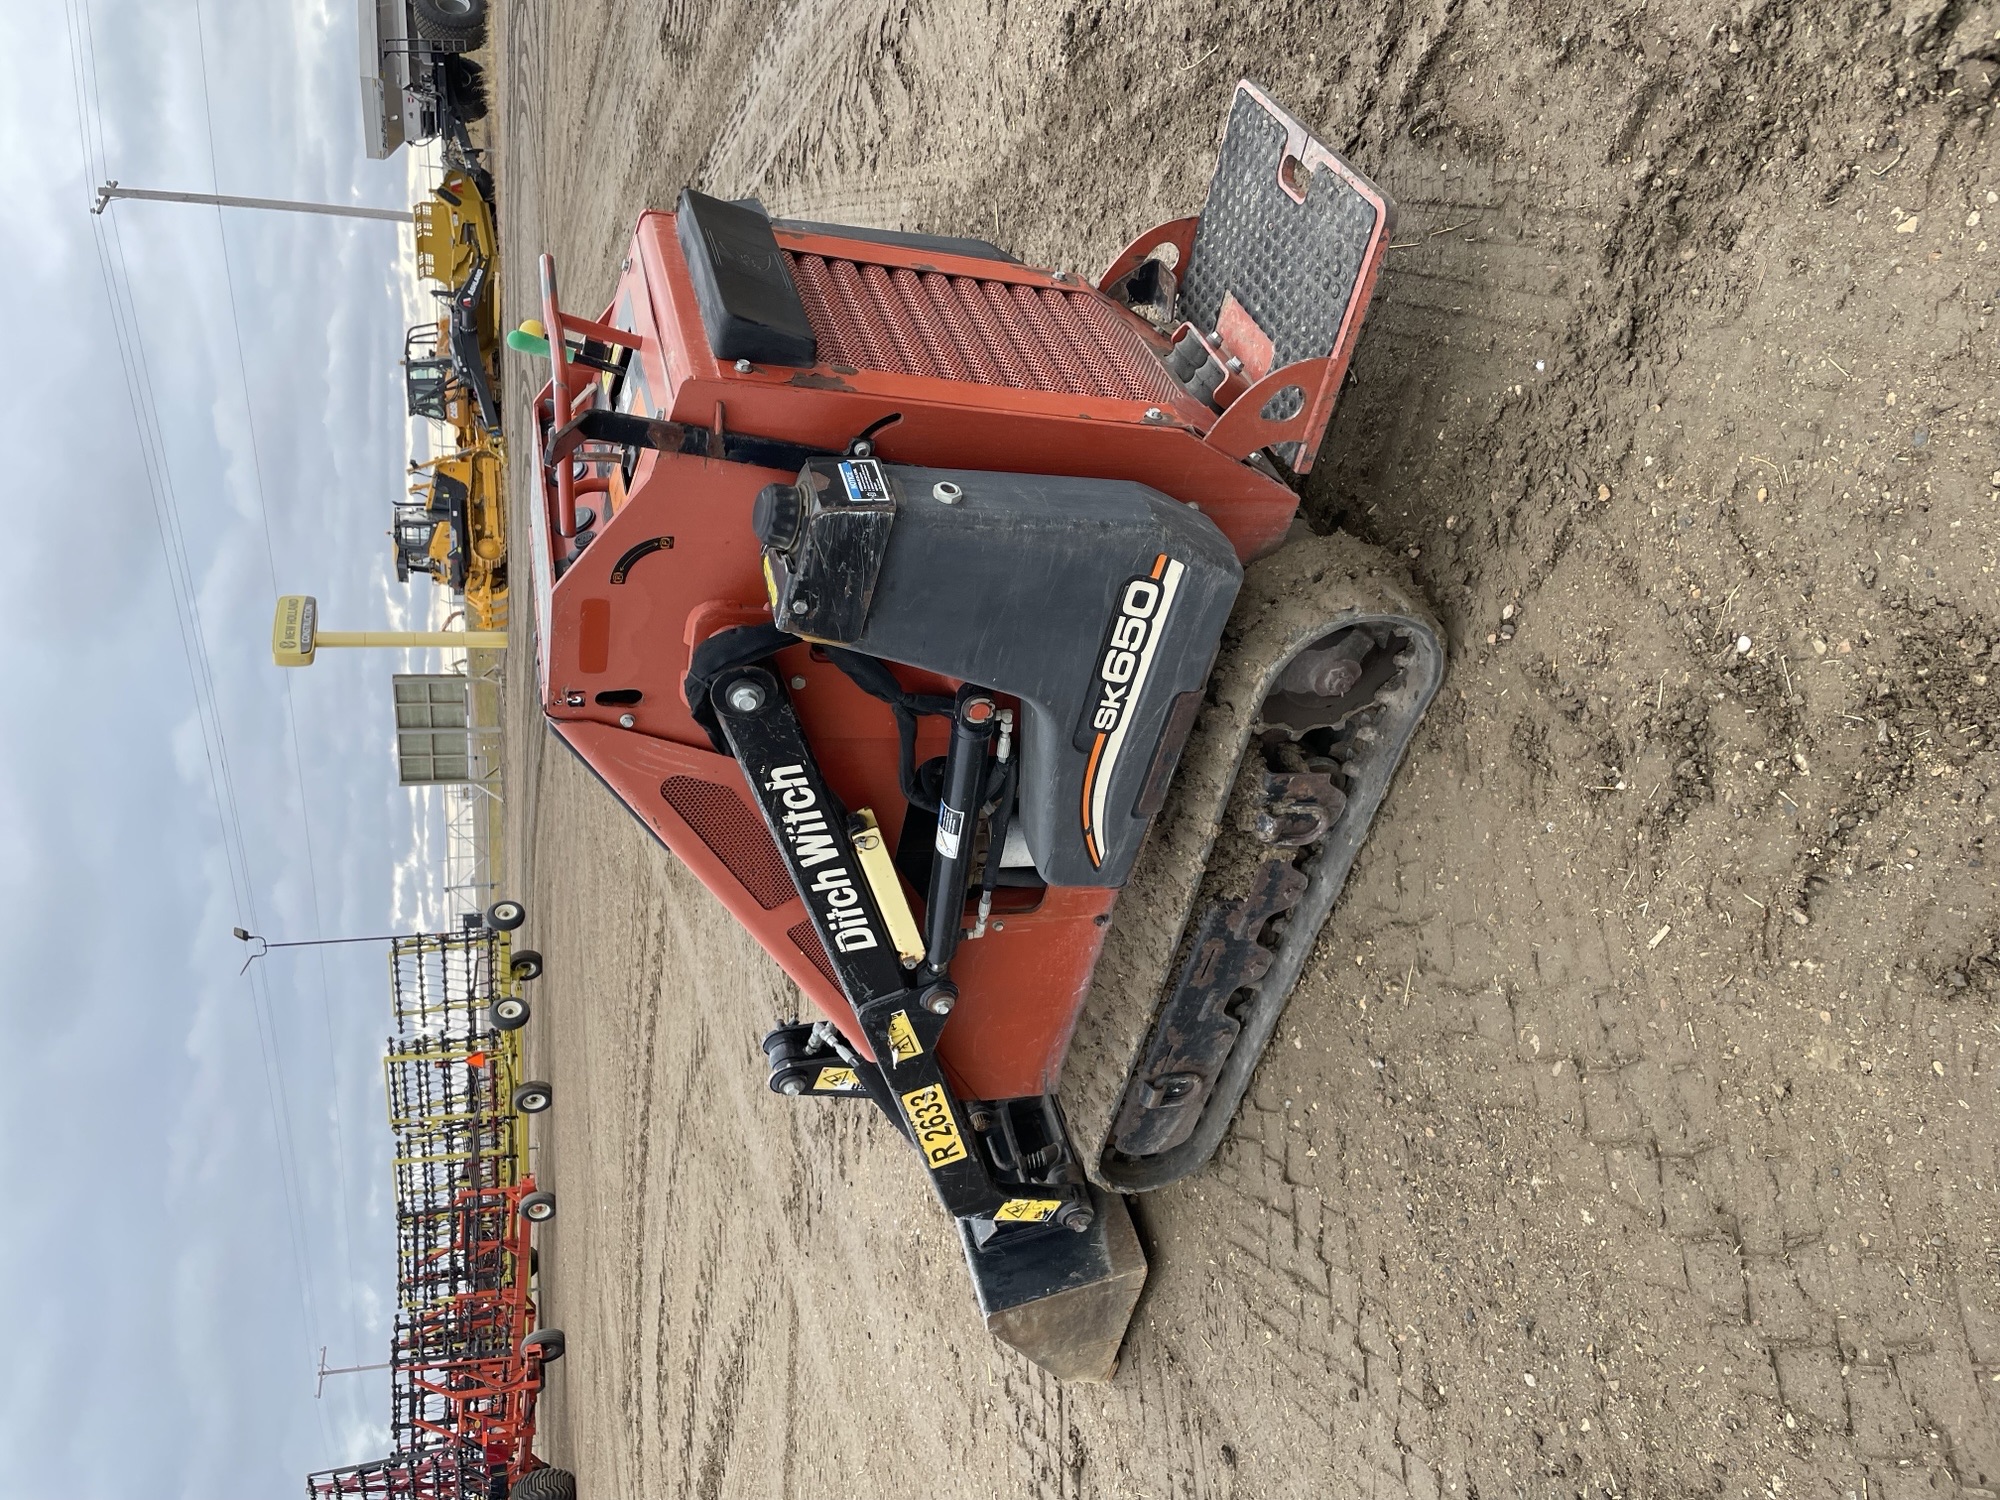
936,358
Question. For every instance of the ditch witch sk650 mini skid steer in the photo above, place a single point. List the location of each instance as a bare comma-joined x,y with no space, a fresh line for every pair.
948,618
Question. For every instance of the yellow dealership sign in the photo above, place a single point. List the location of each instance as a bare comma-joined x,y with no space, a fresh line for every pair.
292,632
296,636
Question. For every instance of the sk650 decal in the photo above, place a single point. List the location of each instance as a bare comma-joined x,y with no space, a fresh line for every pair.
1123,665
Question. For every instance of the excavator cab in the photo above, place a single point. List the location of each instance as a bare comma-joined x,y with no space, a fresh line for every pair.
431,388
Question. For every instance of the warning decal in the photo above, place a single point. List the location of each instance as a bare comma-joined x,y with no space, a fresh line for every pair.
903,1043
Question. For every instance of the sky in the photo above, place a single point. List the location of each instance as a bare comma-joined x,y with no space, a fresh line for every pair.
197,1181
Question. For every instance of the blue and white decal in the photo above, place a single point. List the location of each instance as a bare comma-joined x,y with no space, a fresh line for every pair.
864,480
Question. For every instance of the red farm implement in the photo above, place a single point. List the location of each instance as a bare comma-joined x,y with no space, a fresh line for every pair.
468,1358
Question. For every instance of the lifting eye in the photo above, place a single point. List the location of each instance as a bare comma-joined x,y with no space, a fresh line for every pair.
619,698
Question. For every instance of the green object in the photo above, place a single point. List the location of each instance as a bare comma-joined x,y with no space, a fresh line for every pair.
523,342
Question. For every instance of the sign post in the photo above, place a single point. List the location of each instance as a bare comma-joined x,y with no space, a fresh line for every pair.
296,636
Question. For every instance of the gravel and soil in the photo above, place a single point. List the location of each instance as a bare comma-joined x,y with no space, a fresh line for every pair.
1633,1131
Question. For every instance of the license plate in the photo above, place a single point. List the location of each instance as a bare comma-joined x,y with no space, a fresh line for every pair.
931,1123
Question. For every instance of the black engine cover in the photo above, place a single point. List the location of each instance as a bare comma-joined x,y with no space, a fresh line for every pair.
1097,603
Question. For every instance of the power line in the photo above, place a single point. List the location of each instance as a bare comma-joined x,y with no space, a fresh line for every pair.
114,272
291,714
140,394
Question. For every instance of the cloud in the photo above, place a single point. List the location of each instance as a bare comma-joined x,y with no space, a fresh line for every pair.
199,1180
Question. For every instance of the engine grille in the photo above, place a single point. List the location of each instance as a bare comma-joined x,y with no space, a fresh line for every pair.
905,322
807,942
735,834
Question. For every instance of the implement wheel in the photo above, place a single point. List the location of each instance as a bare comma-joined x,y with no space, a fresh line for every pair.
549,1340
533,1098
538,1208
509,1013
526,964
451,20
544,1484
505,916
465,90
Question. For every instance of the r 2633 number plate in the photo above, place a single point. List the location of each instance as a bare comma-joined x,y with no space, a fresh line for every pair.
930,1118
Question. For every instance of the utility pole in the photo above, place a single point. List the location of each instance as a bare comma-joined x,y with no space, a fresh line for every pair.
324,1371
112,190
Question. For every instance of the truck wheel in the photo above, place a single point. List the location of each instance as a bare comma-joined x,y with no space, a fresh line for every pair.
505,916
533,1098
549,1340
451,20
526,964
544,1484
508,1014
538,1208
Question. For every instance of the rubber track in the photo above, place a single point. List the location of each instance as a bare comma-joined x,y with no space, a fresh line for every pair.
1297,595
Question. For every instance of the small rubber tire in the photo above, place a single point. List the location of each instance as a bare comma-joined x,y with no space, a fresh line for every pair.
532,1098
509,1013
450,20
505,916
538,1207
545,1483
549,1340
526,964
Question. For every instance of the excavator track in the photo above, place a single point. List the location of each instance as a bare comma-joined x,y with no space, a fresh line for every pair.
1325,670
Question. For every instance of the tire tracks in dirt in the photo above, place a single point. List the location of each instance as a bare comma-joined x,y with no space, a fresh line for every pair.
1713,1190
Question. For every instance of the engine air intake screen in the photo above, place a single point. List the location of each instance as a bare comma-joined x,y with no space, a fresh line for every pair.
869,316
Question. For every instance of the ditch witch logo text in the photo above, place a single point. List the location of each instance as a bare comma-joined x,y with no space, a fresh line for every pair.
815,844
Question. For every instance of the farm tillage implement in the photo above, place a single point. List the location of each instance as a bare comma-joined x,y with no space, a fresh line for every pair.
467,1358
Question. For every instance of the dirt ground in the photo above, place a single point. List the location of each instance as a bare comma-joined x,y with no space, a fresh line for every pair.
1633,1131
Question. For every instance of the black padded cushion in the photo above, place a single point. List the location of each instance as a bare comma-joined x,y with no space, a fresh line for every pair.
749,305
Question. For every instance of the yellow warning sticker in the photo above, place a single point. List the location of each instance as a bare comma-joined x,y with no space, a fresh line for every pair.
1027,1210
931,1123
903,1043
842,1079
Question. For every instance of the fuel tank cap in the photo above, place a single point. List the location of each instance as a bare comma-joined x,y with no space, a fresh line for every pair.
777,516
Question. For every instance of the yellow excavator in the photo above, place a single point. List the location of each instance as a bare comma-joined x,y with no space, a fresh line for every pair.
453,525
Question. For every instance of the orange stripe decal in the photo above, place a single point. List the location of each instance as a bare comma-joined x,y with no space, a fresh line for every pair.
1089,784
1090,841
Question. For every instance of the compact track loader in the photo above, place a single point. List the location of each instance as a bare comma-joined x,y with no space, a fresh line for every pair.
950,618
453,526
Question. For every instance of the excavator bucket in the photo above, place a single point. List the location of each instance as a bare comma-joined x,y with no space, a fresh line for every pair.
949,618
